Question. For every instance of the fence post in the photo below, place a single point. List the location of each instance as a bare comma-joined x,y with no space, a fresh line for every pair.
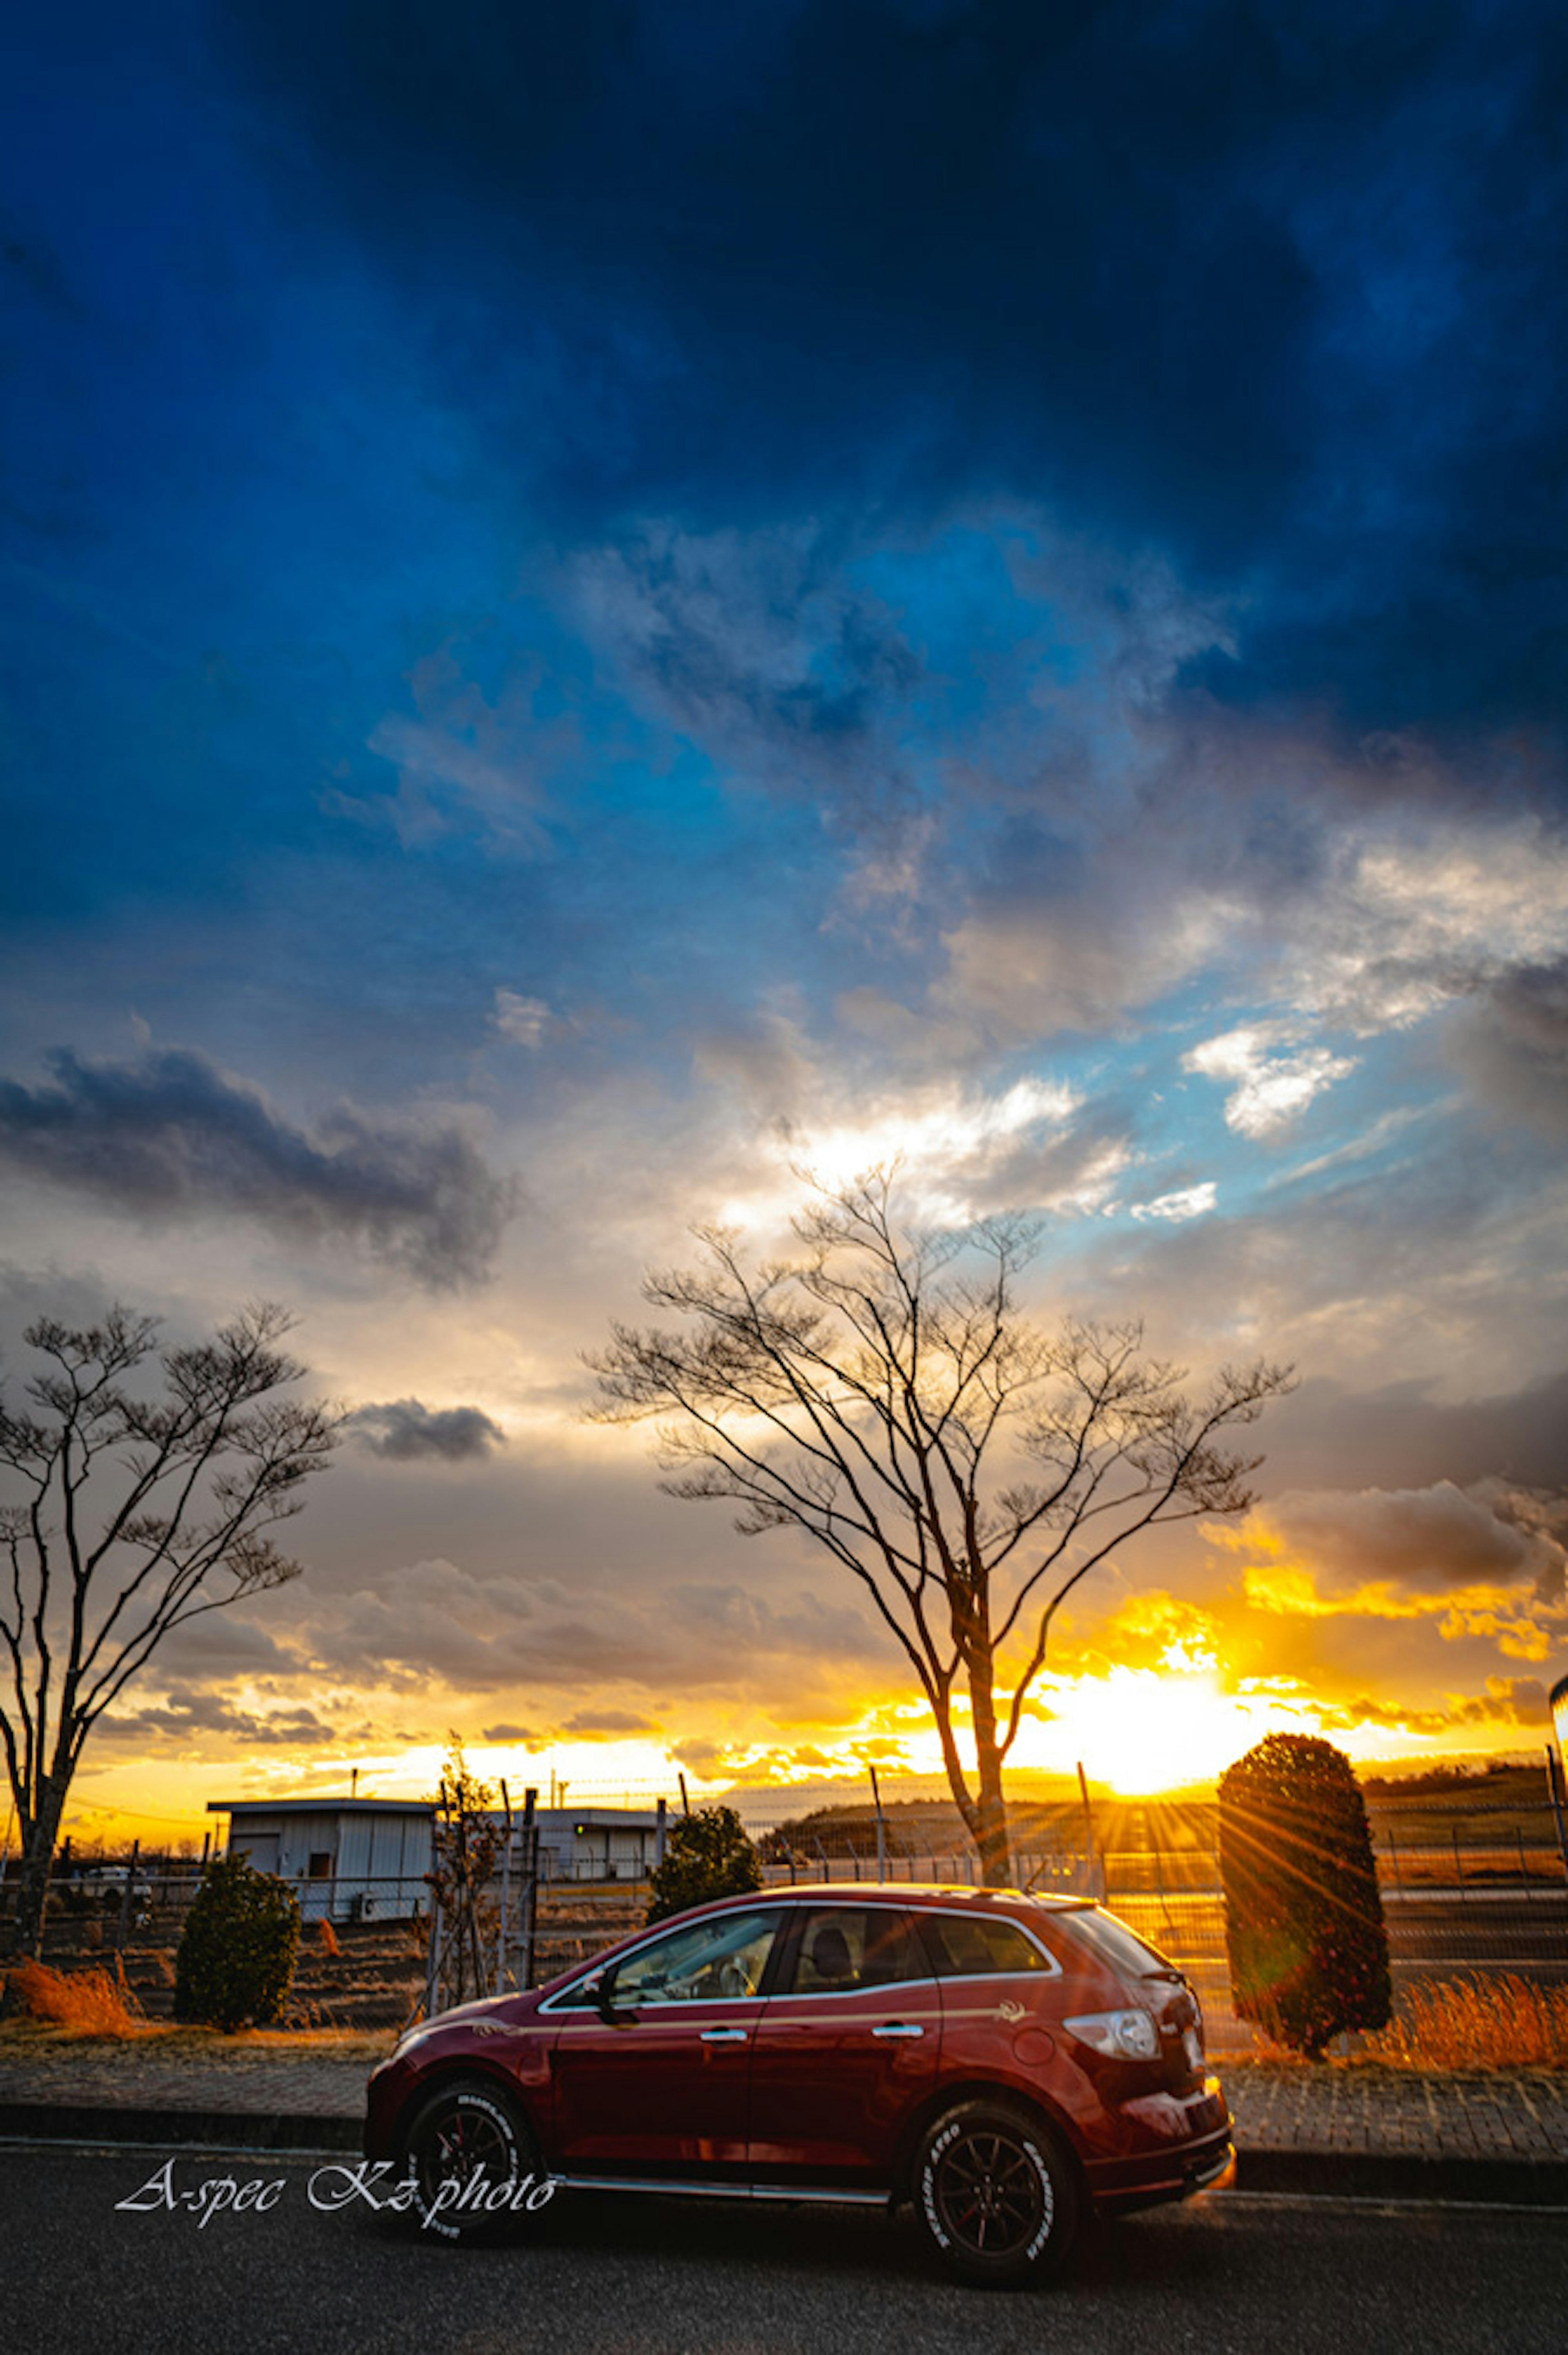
1088,1832
660,1836
881,1829
125,1898
1554,1784
531,1879
433,1962
505,1892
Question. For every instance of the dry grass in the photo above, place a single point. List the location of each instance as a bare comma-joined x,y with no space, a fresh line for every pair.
327,1939
1495,2023
95,2002
27,2034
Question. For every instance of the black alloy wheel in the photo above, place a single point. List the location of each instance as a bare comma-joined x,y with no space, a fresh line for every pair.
995,2194
462,2144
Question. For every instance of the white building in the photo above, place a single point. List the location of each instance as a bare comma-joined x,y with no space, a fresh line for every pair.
355,1859
347,1860
600,1843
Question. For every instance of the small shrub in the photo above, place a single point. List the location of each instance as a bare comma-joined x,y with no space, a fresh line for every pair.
95,2002
1508,2022
706,1855
236,1955
1303,1926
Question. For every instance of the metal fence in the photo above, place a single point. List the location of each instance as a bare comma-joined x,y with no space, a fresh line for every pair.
1467,1888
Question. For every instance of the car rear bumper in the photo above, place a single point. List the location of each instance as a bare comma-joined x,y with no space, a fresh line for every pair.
1119,2184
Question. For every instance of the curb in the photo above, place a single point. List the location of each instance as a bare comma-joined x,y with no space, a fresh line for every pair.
1322,2174
279,2130
1403,2175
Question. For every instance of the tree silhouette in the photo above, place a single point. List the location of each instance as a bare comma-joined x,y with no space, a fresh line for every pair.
882,1392
128,1512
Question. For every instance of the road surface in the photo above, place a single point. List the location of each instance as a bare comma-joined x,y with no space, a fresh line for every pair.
602,2275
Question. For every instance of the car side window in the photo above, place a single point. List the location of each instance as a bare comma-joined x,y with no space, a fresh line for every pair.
846,1946
979,1945
699,1961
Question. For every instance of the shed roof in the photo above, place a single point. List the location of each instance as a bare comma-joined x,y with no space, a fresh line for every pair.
324,1805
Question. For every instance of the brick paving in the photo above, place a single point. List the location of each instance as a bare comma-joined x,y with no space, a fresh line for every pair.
1513,2116
203,2074
1519,2115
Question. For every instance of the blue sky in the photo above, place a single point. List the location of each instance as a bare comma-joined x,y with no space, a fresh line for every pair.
599,601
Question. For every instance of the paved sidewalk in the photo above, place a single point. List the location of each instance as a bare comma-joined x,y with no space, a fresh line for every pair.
1353,2129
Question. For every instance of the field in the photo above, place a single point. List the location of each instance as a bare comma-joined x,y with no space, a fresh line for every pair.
367,1975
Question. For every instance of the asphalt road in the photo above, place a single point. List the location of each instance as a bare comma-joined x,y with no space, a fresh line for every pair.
598,2275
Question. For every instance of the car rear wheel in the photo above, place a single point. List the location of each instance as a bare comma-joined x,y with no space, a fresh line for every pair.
472,2159
996,2194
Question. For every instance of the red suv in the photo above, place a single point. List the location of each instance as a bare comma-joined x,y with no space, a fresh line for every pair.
1003,2061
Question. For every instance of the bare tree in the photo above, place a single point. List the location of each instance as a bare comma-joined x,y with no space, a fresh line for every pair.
129,1515
882,1392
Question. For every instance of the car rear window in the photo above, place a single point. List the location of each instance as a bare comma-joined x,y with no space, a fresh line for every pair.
979,1945
1113,1944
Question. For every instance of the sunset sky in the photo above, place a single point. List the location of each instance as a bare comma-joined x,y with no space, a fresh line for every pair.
605,601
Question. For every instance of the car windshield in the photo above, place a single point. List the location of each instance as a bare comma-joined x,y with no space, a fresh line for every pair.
1114,1943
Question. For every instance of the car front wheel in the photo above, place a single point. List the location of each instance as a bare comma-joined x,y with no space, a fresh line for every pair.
472,2159
996,2194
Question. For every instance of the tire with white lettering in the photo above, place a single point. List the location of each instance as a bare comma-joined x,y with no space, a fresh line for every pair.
474,2163
996,2194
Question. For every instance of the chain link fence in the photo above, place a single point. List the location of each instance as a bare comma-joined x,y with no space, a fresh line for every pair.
1469,1886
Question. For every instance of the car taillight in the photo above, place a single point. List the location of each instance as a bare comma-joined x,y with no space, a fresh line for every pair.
1128,2035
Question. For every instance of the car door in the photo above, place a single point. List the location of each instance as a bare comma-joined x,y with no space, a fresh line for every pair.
656,2084
845,2047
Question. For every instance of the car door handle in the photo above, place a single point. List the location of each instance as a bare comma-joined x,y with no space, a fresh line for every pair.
898,2027
724,2035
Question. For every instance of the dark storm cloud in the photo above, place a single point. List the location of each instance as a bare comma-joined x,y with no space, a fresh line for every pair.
435,1620
1402,1433
173,1133
1513,1047
187,1714
1506,1701
409,1432
1274,289
1426,1543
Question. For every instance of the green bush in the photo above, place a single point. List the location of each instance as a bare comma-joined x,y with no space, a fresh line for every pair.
706,1855
237,1955
1303,1926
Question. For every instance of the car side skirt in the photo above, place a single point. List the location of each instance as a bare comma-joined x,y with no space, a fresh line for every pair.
812,2195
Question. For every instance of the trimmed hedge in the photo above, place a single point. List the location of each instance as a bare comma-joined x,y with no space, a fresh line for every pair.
1303,1926
236,1955
706,1855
